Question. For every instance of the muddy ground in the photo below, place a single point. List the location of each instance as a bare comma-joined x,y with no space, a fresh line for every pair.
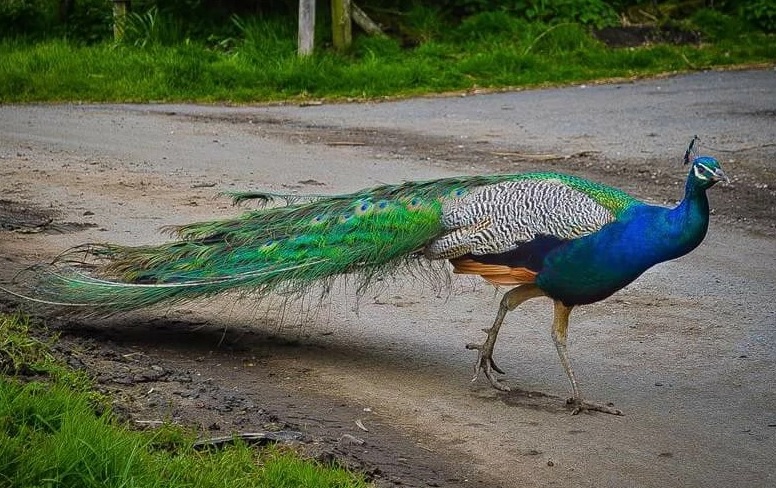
381,383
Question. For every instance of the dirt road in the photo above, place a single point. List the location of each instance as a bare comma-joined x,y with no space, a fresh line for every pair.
687,351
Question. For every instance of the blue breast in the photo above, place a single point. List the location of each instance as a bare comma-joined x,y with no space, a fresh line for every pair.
593,267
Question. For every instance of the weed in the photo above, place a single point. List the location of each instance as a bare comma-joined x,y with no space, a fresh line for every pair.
716,26
265,39
423,23
561,39
377,49
20,353
151,28
490,26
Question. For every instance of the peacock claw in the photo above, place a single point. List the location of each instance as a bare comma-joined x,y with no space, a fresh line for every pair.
487,365
495,367
581,405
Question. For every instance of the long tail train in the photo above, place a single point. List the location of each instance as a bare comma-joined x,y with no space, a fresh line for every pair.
280,249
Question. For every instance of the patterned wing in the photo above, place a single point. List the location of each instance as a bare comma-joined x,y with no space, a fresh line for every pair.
497,218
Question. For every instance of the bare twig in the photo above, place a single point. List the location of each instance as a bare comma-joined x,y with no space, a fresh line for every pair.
345,143
260,438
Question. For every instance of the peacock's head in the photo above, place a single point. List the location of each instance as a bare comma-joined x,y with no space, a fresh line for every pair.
705,171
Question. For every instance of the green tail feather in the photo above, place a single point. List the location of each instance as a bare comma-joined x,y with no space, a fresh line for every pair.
285,249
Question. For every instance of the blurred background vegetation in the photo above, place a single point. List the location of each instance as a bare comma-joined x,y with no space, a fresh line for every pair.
220,22
246,50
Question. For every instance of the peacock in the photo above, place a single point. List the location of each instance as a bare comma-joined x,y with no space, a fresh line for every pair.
540,234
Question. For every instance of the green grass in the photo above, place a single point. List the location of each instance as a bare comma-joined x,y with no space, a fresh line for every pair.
486,51
19,352
51,435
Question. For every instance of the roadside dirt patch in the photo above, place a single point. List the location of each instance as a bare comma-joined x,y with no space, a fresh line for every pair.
21,217
217,381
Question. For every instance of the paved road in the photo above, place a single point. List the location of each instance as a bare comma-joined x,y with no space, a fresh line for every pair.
687,351
648,118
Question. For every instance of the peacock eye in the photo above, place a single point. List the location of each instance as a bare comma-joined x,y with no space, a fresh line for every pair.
363,207
269,244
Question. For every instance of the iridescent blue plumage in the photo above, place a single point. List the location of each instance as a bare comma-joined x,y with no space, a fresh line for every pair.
593,267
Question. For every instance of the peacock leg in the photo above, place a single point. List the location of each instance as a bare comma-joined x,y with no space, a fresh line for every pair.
485,362
560,325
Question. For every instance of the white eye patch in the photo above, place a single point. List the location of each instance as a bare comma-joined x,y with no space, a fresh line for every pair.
702,175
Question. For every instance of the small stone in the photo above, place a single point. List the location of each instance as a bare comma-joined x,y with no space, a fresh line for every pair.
351,440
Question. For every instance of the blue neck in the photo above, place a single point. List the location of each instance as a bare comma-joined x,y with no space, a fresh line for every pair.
690,219
593,267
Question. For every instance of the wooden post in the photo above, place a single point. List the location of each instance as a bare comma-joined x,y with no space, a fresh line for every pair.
362,20
120,8
341,24
306,27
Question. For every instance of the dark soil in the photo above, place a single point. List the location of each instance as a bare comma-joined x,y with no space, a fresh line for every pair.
640,35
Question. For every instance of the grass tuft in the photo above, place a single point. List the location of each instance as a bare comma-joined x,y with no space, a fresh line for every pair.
20,353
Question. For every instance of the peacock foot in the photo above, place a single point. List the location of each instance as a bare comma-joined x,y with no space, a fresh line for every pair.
581,405
487,365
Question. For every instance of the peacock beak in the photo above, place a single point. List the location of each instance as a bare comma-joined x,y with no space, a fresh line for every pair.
720,175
